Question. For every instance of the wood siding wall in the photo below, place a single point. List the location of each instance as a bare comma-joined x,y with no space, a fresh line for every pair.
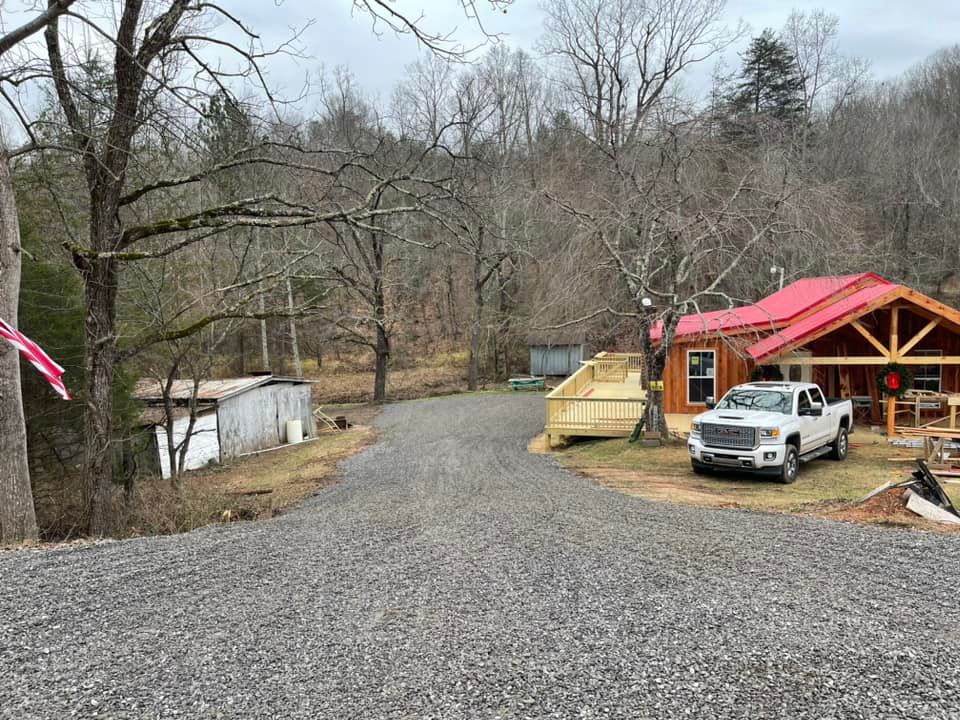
730,369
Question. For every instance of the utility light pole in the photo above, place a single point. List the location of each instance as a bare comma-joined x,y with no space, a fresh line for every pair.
777,269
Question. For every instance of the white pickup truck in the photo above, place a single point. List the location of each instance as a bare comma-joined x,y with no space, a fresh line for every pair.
769,428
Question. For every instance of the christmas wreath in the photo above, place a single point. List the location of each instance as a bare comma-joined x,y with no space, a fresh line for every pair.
767,373
894,379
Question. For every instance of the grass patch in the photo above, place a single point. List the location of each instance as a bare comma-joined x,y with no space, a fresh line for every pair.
252,488
663,473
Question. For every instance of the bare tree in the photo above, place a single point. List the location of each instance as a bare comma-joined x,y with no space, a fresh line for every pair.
824,70
618,59
17,518
145,95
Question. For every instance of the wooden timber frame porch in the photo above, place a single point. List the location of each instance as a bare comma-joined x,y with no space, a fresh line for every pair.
881,333
604,398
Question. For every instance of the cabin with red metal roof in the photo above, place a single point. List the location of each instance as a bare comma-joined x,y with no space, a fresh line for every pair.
835,331
840,332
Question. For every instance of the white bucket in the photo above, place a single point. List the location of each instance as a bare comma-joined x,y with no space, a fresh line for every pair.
294,431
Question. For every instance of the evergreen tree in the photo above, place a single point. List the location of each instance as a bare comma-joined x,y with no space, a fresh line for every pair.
769,82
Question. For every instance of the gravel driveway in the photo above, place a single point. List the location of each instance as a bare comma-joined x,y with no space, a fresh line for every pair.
452,575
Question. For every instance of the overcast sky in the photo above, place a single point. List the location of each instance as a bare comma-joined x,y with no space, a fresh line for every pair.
891,34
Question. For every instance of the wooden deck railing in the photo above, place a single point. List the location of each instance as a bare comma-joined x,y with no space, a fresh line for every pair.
567,411
634,360
609,370
575,384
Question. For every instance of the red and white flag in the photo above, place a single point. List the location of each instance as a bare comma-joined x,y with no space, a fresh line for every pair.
37,357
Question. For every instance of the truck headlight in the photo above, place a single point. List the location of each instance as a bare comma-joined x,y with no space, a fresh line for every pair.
695,427
769,433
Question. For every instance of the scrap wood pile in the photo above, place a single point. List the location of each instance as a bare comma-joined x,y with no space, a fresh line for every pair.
920,495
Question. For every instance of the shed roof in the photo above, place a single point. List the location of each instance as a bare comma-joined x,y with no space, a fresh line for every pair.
151,390
781,308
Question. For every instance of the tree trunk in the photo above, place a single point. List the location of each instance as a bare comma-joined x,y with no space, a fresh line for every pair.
382,347
382,350
188,435
453,327
654,363
473,364
18,522
654,418
100,290
264,344
294,346
505,307
169,414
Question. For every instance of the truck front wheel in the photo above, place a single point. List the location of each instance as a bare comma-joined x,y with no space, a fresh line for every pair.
840,446
791,465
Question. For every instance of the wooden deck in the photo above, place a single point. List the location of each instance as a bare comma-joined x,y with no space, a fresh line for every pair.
604,398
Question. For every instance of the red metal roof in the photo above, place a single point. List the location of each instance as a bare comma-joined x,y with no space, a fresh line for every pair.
790,336
778,309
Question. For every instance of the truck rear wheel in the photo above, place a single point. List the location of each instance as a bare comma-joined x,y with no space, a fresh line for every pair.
791,465
840,446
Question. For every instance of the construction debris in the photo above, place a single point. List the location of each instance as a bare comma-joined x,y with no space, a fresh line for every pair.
927,487
924,496
876,491
928,510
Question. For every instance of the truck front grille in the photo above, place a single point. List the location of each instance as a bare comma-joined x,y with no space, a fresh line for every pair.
729,436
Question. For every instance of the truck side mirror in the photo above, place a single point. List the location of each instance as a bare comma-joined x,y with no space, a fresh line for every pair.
711,402
815,409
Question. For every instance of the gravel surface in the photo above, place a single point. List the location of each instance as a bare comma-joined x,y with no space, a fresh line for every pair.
452,575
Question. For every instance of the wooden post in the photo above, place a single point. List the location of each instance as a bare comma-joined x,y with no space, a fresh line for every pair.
894,341
844,375
894,329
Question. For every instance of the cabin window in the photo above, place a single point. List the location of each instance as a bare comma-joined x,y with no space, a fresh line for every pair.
927,377
701,376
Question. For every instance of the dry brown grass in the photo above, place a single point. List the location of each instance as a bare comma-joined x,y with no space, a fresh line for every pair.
351,380
253,488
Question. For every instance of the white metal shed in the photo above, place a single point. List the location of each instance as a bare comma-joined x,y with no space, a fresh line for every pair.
236,416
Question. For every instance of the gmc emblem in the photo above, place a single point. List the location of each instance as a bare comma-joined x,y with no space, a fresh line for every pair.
727,431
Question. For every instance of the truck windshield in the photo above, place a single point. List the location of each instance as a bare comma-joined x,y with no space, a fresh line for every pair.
754,399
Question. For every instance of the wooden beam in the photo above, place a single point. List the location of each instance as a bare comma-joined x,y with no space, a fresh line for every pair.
930,360
870,360
919,336
894,329
836,360
858,326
